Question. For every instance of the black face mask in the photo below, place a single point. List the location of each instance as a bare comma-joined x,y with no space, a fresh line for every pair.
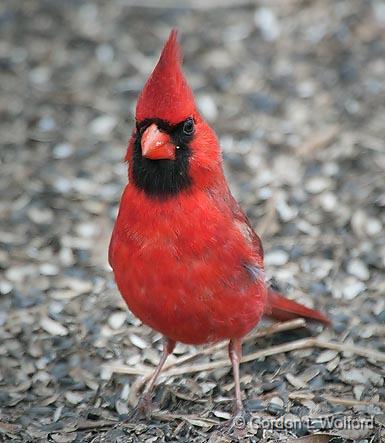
164,178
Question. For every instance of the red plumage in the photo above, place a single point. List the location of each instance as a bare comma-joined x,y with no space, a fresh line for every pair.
180,267
188,264
166,94
283,309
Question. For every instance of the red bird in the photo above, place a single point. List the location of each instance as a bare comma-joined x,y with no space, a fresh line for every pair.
185,258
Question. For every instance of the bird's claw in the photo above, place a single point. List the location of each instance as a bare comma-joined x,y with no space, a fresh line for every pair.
142,410
237,424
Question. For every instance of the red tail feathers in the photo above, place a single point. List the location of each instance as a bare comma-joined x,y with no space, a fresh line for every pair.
282,309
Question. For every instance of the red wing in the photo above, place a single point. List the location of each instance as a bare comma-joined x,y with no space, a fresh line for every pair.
277,306
245,226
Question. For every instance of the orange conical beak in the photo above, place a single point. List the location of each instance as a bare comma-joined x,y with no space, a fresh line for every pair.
157,145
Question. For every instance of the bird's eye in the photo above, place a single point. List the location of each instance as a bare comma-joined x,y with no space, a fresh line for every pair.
188,126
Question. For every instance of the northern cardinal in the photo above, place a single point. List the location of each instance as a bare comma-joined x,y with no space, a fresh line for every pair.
185,258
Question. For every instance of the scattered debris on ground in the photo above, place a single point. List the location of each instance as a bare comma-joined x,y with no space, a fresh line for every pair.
296,92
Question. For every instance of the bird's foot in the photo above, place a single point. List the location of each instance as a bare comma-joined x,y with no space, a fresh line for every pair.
237,424
142,410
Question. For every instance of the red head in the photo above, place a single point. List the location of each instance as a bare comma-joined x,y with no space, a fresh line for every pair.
172,148
166,94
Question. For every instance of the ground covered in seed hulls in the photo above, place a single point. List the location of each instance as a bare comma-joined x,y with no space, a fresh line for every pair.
296,92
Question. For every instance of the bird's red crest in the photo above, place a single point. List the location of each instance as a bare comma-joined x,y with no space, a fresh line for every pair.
166,94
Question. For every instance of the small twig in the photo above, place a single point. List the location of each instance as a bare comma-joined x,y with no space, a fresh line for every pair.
21,313
170,417
136,387
130,370
264,227
357,350
335,400
190,5
273,329
83,425
318,141
277,327
286,347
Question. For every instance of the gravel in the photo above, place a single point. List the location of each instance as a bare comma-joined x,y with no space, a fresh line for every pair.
296,92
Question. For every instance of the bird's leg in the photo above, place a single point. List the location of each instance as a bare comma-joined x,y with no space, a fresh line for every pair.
235,354
144,405
237,424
